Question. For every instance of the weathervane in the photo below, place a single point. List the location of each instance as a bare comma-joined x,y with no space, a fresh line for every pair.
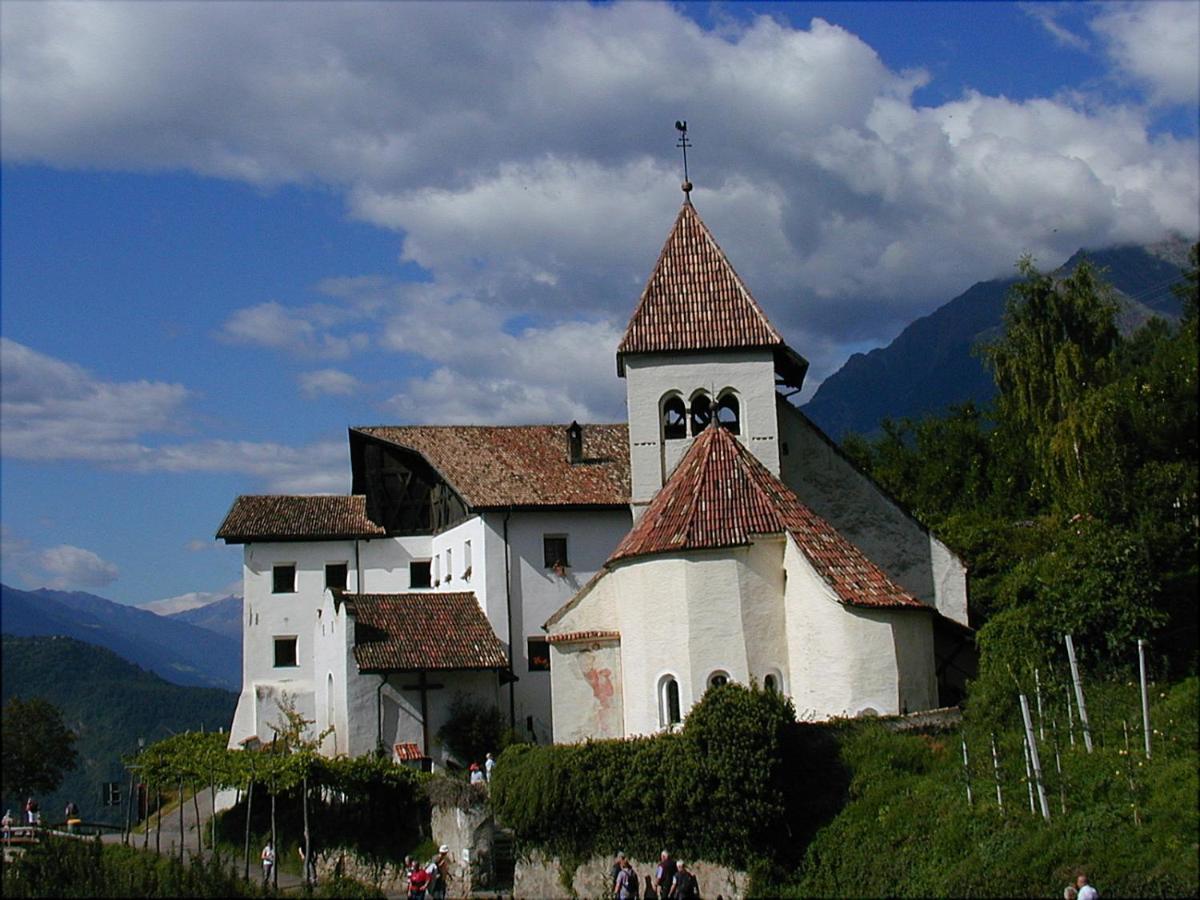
683,143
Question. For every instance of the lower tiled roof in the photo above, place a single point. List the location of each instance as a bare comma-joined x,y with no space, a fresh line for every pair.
720,495
423,630
282,517
408,751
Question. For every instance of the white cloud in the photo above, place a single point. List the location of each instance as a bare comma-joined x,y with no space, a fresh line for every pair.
1047,15
1156,44
301,331
73,567
328,382
55,410
51,409
525,154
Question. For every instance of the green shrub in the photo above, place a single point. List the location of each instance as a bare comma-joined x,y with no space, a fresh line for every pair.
734,786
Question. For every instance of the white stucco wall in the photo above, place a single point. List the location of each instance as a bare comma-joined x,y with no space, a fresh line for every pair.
733,611
687,617
538,592
648,377
847,661
835,490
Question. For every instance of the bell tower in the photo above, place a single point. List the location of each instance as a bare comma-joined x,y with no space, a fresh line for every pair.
699,353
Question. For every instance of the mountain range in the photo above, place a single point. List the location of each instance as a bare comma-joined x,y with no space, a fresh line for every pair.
934,362
197,647
110,704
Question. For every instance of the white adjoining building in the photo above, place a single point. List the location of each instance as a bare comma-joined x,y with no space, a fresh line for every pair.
593,581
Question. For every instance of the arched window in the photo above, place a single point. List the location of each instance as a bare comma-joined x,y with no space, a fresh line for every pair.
718,678
729,413
771,683
674,418
668,702
701,413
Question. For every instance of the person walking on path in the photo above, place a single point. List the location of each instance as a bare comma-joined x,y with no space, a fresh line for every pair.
489,763
664,875
1086,891
617,866
6,824
626,887
31,811
268,861
439,873
418,883
685,887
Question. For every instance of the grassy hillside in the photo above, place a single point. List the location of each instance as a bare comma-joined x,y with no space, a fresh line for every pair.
907,829
109,703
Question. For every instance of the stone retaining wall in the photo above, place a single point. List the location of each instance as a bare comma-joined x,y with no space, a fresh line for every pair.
539,876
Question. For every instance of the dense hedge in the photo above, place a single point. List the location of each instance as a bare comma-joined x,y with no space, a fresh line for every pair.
741,783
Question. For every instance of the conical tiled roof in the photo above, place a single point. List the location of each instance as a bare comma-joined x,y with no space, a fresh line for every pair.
694,299
720,495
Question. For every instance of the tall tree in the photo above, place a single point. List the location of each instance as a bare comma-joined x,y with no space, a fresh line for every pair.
38,748
1058,345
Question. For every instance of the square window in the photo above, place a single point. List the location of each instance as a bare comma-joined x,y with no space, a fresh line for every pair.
419,574
554,547
539,655
285,652
336,575
283,579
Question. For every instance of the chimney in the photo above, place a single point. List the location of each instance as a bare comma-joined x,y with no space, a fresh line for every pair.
574,442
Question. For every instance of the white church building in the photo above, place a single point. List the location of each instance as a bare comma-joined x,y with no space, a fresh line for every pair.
592,581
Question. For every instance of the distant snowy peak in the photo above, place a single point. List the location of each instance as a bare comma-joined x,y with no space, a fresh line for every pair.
184,602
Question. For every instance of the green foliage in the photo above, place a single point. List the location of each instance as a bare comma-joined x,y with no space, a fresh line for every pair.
473,729
907,830
1059,342
736,785
37,748
368,805
73,868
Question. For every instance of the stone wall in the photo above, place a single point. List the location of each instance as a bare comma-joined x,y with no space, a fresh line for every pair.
540,876
470,835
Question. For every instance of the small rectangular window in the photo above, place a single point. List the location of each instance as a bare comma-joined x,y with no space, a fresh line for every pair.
539,655
285,652
554,547
419,574
336,575
467,560
283,579
449,566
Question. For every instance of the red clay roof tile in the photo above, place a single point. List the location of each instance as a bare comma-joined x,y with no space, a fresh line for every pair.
494,466
423,630
694,299
720,495
292,518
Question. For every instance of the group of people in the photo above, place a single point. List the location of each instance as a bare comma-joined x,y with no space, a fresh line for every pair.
431,880
480,774
671,880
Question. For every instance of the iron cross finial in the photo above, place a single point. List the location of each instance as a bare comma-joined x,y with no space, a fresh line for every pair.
683,143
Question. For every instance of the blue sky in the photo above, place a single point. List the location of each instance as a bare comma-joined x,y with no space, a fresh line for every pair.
230,231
